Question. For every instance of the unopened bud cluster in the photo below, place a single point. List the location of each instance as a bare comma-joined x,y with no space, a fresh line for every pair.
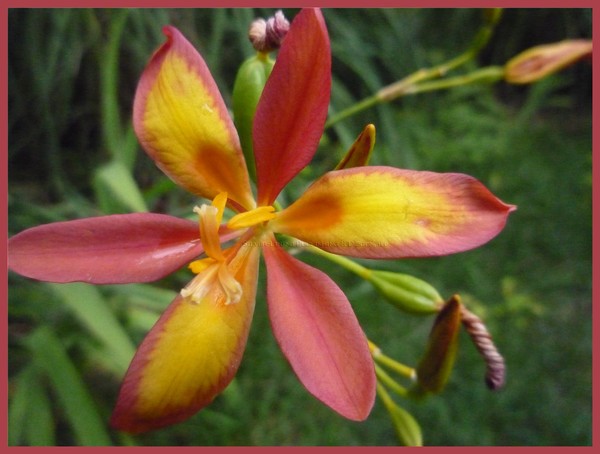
267,35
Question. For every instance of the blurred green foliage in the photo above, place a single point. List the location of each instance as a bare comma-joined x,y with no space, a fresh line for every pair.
72,74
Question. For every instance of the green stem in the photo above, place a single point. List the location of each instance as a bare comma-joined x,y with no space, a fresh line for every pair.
407,84
487,75
394,365
354,109
384,378
342,261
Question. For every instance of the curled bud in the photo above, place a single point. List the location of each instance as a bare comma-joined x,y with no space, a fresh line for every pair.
267,35
541,61
406,292
495,370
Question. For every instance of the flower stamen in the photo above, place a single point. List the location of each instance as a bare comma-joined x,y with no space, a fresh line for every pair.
213,274
252,217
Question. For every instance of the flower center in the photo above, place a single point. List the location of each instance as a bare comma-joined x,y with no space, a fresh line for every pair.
213,274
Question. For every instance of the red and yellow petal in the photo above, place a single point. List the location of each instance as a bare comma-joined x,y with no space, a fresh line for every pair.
191,354
116,249
183,124
384,212
319,334
291,113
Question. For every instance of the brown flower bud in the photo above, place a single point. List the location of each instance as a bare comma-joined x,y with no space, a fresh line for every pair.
541,61
436,365
267,35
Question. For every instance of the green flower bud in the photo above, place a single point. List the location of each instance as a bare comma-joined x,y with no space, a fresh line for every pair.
406,292
407,428
248,87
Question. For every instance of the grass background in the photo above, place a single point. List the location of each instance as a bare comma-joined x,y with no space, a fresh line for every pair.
72,76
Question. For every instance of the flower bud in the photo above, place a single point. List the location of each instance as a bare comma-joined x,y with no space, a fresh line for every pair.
249,83
360,152
407,428
541,61
406,292
267,35
434,368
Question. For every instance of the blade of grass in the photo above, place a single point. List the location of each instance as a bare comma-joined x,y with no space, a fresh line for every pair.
79,407
116,190
39,425
89,306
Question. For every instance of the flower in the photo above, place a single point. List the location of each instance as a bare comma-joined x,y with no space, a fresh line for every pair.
195,348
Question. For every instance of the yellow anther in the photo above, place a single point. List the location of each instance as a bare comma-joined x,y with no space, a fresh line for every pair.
197,266
251,218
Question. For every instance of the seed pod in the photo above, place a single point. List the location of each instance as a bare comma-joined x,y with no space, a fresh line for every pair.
248,87
406,292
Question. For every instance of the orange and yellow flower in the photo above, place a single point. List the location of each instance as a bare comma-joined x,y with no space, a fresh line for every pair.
195,348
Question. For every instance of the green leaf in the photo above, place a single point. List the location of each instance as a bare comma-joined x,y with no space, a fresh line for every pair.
92,310
39,426
79,408
19,404
116,190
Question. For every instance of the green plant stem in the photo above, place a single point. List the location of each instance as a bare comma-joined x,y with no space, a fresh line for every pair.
354,109
388,381
487,75
342,261
408,84
394,365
